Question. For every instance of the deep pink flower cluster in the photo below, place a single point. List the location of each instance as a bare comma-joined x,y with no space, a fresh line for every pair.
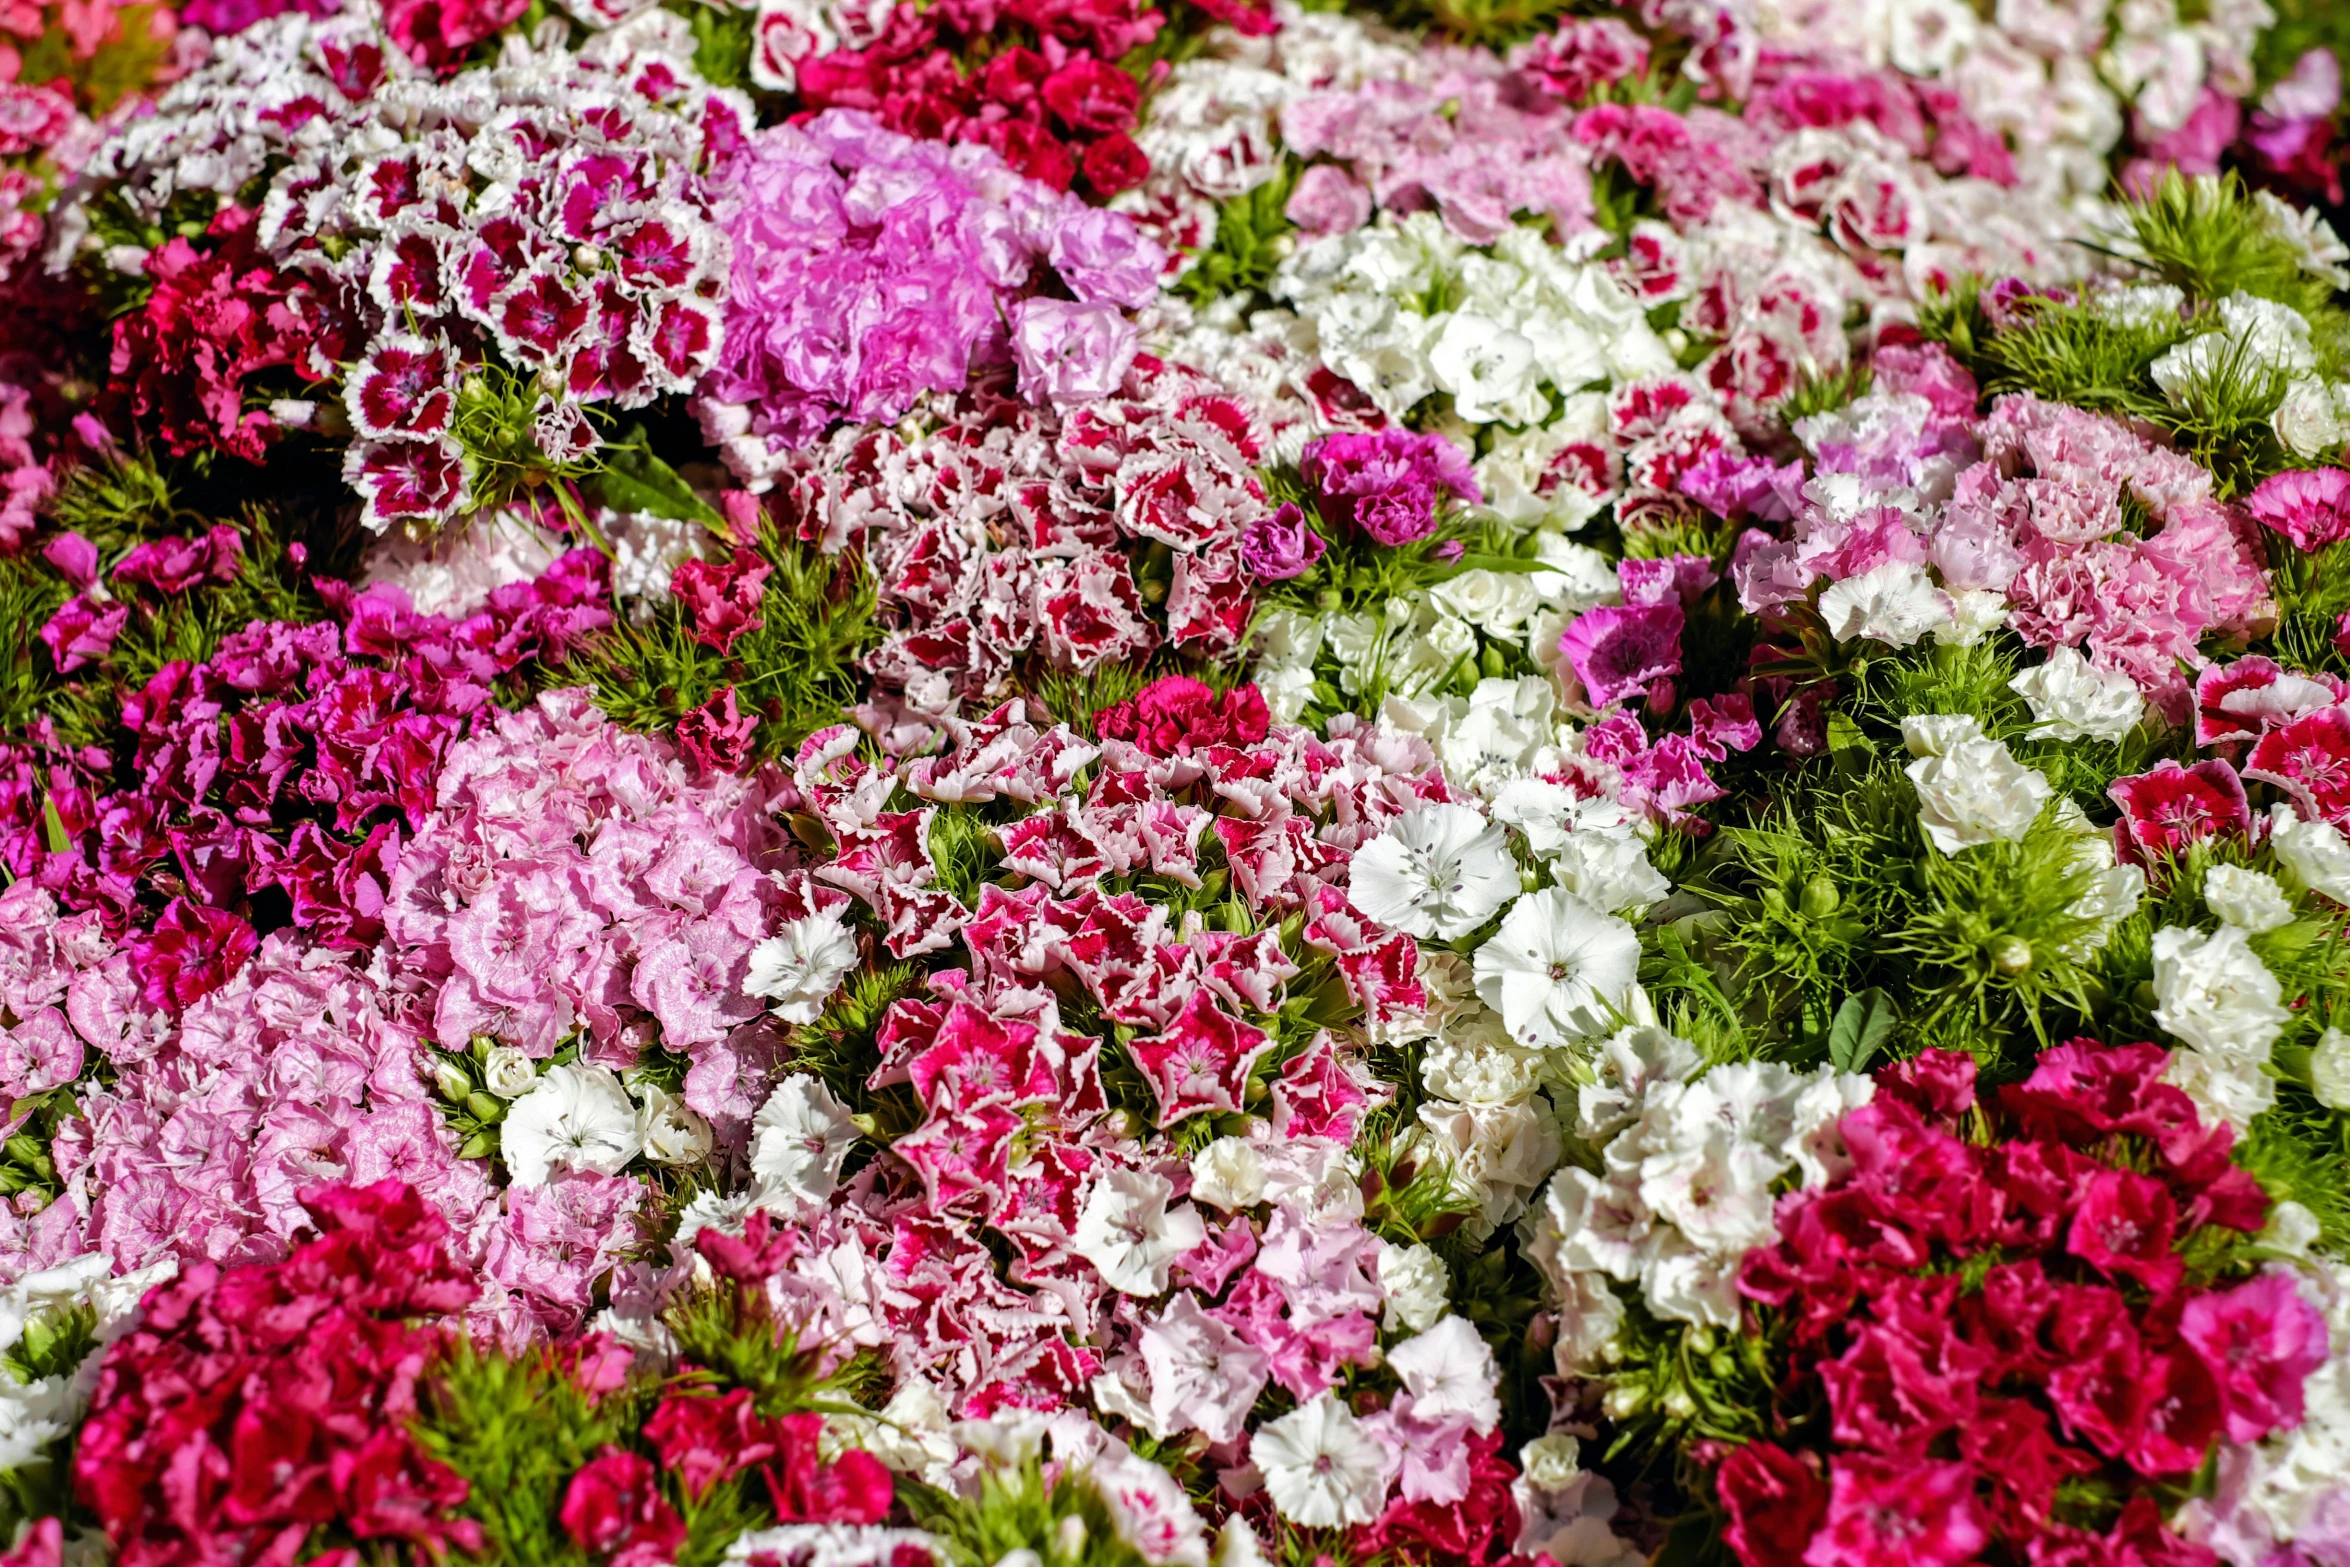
288,764
1386,484
1057,109
2266,724
1987,1322
1012,533
219,315
257,1407
870,268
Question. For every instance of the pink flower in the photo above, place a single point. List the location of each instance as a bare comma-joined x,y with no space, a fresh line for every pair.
1388,483
173,566
2260,1341
1898,1513
2310,506
717,735
1774,1505
1176,714
1327,201
1281,546
191,952
2310,759
2166,810
1201,1061
2123,1226
2246,699
1071,353
82,631
614,1509
1621,651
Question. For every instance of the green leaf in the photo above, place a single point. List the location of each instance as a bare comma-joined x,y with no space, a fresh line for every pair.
635,480
53,830
1863,1023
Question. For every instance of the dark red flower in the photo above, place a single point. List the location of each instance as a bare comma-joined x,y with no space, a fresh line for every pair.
1774,1505
614,1509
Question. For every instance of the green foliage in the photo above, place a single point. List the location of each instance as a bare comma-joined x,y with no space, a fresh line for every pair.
1075,697
120,66
2301,25
517,1430
795,669
723,41
495,423
2210,237
1815,393
2301,1152
1066,1522
1495,23
726,1334
1253,235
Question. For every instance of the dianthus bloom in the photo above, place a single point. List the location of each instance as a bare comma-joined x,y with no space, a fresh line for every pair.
2310,506
1389,483
870,268
265,1401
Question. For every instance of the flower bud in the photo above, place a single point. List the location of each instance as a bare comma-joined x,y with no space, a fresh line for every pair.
1820,898
2011,955
507,1072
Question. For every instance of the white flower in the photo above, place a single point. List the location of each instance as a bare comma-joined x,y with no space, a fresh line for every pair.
1558,970
2213,993
1716,1190
1228,1174
1608,871
2248,900
2329,1070
507,1072
673,1132
1552,1462
1489,370
1129,1234
1438,871
1414,1282
801,965
2113,892
1896,603
1627,1066
1323,1468
1473,1060
1599,1225
576,1115
2291,1229
1683,1284
1149,1510
2314,851
1971,790
2072,699
2309,418
1450,1370
1495,1154
799,1139
2224,1088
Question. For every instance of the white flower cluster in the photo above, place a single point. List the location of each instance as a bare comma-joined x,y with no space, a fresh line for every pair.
582,1116
2215,996
1971,789
2249,340
1524,318
2294,1487
34,1414
1689,1161
1417,643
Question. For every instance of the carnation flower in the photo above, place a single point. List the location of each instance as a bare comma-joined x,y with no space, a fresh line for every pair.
1895,603
800,966
2072,699
2246,899
800,1137
1558,970
1129,1234
1448,1370
2314,851
2310,506
1322,1468
1971,789
577,1116
1438,871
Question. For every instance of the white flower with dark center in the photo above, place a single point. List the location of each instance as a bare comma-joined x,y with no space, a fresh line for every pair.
800,966
1323,1469
1130,1235
1438,871
799,1139
1558,970
575,1115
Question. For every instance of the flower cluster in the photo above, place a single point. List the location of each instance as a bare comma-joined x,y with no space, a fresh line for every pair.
870,268
2101,1336
1008,537
261,1404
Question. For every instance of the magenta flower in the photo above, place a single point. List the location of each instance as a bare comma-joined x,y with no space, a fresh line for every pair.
1202,1060
2260,1341
1619,651
1281,546
2310,759
2310,506
2165,810
1388,483
1898,1513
